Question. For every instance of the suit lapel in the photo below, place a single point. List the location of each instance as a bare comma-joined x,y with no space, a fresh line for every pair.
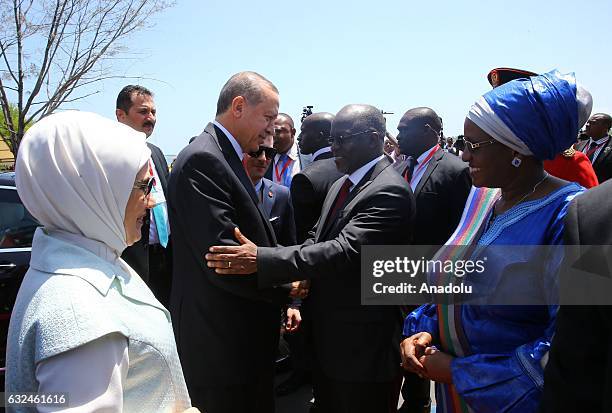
582,146
400,166
160,166
268,201
235,163
352,198
604,153
431,166
332,194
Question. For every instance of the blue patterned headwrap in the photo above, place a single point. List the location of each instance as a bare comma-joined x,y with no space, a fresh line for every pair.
536,116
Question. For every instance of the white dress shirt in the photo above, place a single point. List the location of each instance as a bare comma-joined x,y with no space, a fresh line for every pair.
421,166
294,168
358,175
601,142
231,138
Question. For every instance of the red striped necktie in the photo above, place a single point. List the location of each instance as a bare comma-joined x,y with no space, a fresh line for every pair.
411,163
593,146
341,198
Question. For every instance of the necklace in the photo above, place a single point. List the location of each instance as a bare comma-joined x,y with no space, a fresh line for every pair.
546,175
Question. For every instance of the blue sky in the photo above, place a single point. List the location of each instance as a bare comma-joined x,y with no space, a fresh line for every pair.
392,54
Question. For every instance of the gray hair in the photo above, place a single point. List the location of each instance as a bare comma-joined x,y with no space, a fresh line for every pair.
246,84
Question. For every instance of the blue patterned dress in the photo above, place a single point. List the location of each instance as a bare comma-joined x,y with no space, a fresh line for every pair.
499,350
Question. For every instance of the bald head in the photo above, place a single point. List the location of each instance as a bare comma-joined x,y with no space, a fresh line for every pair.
419,130
358,133
598,125
424,115
320,121
315,132
363,117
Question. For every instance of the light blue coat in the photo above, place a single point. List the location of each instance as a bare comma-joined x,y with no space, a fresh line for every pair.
71,296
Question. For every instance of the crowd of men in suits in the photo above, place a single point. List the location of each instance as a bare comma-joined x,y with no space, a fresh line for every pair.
241,183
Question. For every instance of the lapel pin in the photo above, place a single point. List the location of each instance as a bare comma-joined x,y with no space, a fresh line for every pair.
270,194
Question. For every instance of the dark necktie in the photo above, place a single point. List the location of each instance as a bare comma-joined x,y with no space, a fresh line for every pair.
411,163
341,199
591,151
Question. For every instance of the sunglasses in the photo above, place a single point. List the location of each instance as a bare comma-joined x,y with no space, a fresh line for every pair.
465,144
340,139
146,185
269,152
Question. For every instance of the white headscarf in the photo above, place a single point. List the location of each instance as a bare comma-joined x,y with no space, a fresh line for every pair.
75,172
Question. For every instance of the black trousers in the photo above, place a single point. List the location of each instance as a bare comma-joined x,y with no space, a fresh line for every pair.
336,396
415,392
300,344
160,272
256,397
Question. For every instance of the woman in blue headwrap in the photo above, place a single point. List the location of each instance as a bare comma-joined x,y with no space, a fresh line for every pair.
491,358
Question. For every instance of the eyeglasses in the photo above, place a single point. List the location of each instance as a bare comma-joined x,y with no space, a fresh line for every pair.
146,185
341,138
473,146
270,152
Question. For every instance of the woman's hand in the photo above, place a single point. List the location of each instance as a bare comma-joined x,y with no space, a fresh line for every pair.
413,349
437,365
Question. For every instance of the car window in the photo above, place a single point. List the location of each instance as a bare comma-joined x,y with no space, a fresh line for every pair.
16,224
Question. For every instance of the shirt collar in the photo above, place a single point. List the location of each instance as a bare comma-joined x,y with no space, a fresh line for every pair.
599,141
425,154
293,152
231,138
62,253
358,175
258,186
54,252
321,152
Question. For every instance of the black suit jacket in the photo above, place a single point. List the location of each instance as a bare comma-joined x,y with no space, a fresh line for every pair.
440,197
277,204
578,376
137,255
226,327
603,162
309,188
352,342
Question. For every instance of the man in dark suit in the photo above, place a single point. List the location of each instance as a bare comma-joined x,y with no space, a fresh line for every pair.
226,329
356,347
578,375
308,191
309,187
275,198
441,183
598,148
151,257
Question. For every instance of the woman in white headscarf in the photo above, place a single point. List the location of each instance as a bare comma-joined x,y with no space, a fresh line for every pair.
84,323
